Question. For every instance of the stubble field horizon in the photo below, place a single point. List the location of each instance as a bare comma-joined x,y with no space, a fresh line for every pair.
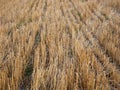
59,44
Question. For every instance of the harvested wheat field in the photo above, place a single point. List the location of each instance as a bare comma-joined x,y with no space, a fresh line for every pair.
59,44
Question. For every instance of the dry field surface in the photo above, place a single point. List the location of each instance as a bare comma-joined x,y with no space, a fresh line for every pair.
59,44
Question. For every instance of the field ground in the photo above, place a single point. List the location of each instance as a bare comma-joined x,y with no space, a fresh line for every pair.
59,44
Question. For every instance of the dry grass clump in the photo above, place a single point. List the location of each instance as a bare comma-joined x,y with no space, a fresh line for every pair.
59,45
